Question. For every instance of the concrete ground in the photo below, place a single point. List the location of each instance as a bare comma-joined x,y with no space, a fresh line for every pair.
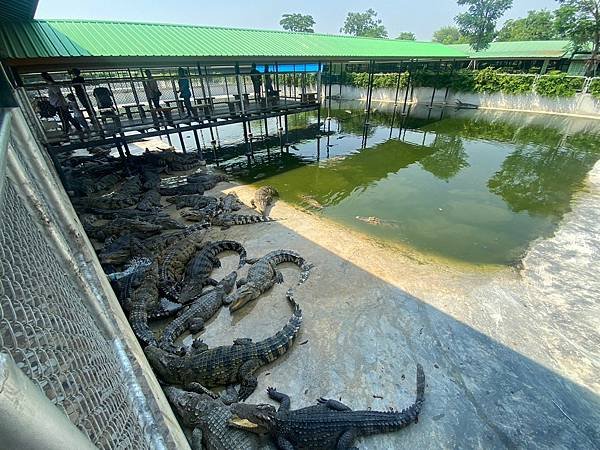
511,356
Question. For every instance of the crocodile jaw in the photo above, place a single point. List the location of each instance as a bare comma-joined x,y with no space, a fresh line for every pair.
244,295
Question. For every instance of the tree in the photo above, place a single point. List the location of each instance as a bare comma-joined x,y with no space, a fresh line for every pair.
478,24
449,35
298,23
364,24
537,26
407,36
579,21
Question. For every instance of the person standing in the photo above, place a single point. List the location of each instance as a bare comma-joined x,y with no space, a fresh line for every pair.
152,92
77,114
184,91
56,99
256,78
79,87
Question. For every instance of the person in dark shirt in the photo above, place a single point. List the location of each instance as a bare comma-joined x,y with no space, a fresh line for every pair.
256,78
184,91
56,99
79,87
269,83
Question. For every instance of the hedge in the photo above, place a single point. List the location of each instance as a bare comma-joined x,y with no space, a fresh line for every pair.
488,80
595,88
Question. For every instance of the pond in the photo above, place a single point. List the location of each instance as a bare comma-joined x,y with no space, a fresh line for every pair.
467,185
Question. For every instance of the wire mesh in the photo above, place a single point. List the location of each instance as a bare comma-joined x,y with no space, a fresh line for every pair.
52,337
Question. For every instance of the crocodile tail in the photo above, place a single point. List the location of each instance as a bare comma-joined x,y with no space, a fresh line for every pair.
277,345
375,422
138,319
281,256
234,247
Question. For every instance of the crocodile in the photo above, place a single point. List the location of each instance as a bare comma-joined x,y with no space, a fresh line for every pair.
150,179
263,197
208,418
328,425
229,364
264,274
198,270
197,314
149,201
227,220
197,201
175,260
122,249
144,299
182,189
118,227
154,216
208,180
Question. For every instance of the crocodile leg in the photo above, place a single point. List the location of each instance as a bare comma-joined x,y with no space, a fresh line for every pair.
199,389
248,379
240,282
284,400
283,443
196,440
195,325
346,440
333,404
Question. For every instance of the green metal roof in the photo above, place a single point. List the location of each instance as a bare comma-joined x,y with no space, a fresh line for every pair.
17,10
71,38
519,50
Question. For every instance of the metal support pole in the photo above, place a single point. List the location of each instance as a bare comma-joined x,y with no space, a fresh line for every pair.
330,73
29,419
181,140
449,81
396,99
198,146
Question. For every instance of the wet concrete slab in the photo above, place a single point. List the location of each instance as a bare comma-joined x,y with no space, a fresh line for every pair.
511,356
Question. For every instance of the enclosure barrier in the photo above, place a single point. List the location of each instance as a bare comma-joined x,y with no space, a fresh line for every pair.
61,326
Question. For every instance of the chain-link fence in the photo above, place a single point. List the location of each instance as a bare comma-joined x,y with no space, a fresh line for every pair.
57,321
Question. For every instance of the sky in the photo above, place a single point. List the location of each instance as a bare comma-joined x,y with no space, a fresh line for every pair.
422,17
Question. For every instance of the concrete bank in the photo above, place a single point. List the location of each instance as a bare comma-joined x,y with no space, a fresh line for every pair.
580,105
511,357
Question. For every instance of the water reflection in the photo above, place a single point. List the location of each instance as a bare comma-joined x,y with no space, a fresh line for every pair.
472,185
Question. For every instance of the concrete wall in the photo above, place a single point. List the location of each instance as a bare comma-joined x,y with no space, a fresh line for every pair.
580,104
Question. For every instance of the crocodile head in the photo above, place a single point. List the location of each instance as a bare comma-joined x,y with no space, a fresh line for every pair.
188,406
245,294
161,362
258,419
228,282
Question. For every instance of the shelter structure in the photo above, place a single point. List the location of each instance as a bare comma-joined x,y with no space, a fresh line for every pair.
536,56
217,63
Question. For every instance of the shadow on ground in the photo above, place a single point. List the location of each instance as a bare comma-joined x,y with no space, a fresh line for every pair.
362,338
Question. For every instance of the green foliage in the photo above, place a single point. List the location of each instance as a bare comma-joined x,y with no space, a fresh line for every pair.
488,80
478,24
407,36
449,35
380,80
364,24
595,88
537,26
493,80
297,23
558,84
579,20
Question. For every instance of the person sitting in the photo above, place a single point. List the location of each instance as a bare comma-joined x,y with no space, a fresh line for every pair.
269,83
256,78
184,91
56,99
77,114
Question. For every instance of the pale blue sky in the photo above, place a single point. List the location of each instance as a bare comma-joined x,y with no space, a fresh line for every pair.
422,17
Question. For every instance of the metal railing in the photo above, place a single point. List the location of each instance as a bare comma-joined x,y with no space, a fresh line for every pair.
60,324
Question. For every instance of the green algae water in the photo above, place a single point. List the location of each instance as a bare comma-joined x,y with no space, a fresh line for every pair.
473,186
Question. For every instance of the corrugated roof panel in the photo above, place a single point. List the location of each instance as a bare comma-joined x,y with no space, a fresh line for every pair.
17,10
54,38
518,50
